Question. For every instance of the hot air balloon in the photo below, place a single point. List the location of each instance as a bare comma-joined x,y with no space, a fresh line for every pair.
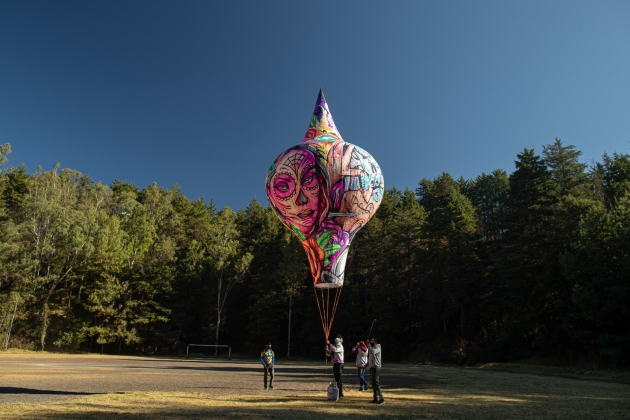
324,190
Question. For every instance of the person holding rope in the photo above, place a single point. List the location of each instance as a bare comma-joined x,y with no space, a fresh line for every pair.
268,360
336,352
362,360
374,362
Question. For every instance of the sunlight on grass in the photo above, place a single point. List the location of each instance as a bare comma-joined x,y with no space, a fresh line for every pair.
400,403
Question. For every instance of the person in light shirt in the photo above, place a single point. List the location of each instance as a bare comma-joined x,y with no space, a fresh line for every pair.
336,352
362,360
374,363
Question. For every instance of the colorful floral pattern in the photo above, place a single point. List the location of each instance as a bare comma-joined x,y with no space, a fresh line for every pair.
268,355
325,190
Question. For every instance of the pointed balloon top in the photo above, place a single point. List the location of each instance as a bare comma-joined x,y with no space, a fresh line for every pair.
322,127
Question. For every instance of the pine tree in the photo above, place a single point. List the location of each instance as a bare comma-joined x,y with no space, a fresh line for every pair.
599,265
616,174
488,193
526,294
567,172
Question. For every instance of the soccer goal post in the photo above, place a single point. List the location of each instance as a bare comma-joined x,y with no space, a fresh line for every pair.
210,345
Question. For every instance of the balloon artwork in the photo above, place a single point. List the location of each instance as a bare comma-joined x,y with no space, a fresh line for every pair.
324,190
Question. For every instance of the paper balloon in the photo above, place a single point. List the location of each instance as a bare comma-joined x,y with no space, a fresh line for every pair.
324,190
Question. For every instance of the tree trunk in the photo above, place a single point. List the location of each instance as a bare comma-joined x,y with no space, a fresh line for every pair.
42,337
289,332
8,336
216,340
48,295
367,301
70,295
51,290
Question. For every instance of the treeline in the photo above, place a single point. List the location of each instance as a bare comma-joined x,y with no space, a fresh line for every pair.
500,267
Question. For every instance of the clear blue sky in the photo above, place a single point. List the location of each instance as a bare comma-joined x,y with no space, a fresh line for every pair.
207,93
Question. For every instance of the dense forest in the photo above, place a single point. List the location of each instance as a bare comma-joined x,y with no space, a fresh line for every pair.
501,267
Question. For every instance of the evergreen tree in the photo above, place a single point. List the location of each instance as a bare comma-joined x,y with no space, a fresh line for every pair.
488,193
525,294
567,172
599,265
616,176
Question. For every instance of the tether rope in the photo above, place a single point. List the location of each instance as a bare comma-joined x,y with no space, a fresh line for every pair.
326,316
337,296
321,314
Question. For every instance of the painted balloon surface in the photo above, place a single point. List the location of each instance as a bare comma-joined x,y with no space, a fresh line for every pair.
325,190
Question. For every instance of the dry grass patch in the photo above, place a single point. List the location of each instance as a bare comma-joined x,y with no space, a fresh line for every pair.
401,403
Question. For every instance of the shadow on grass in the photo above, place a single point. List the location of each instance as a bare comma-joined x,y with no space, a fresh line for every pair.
218,413
263,410
233,369
15,390
397,378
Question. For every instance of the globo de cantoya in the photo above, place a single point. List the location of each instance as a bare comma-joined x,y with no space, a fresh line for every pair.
324,190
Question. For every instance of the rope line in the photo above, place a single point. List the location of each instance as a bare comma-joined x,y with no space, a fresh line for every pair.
337,296
326,312
321,313
327,316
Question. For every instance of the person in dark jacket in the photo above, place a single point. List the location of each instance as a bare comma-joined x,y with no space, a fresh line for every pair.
374,363
268,360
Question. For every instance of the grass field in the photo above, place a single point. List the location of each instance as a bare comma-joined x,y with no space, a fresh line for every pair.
145,388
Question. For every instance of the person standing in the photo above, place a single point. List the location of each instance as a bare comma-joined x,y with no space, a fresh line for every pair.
336,352
268,360
362,360
374,363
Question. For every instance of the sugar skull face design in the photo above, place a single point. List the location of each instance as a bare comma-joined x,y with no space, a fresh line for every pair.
295,186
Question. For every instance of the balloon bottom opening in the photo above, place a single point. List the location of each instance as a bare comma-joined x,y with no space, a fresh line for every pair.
328,285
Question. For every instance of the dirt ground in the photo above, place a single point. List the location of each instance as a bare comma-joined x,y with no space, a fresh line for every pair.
31,378
57,386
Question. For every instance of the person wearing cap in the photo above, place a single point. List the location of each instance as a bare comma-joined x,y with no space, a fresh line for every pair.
268,360
374,363
336,352
362,359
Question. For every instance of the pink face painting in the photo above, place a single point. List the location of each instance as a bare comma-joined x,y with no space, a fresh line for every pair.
295,189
